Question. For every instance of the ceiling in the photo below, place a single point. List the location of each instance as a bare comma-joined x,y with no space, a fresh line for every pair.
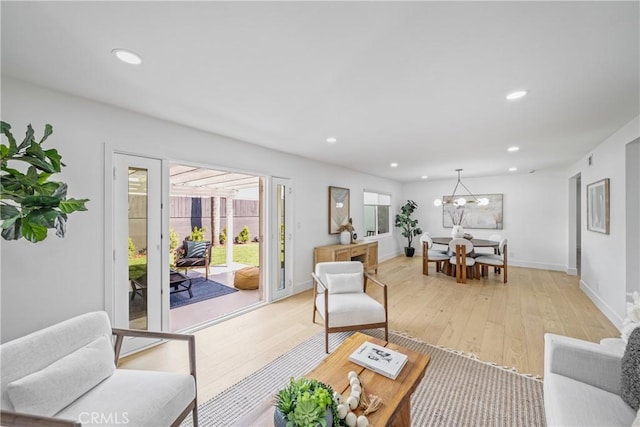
422,84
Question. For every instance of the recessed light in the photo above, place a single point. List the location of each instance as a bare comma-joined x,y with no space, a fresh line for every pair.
332,140
393,165
424,177
516,94
513,169
513,149
127,56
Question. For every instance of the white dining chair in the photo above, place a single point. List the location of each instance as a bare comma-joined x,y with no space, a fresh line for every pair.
463,263
431,255
497,261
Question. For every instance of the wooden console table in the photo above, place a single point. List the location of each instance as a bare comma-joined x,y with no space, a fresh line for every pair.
396,394
366,252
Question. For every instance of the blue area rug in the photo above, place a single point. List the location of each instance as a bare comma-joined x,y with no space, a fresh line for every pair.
202,290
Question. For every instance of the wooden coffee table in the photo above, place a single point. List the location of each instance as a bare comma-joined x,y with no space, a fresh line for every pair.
396,394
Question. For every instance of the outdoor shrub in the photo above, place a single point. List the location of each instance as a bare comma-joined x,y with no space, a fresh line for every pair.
223,236
132,248
174,240
197,234
244,237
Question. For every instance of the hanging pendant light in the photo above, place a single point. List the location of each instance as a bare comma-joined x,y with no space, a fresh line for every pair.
461,201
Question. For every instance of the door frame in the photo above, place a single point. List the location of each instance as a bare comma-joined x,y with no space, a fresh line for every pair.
274,256
109,234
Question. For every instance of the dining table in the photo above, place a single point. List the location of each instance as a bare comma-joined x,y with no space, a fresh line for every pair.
477,243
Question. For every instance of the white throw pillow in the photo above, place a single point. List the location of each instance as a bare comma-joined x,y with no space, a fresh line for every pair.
51,389
343,283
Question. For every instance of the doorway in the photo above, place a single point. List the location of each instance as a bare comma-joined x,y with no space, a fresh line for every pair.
137,246
221,209
575,225
281,238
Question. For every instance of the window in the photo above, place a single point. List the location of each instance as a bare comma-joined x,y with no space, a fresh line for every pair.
377,218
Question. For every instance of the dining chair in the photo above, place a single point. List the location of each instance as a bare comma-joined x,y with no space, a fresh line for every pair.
431,255
340,297
463,264
494,260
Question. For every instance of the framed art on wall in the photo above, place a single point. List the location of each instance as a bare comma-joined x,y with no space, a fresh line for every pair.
598,206
338,208
487,217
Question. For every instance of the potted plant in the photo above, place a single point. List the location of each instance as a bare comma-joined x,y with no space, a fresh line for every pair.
306,403
30,202
408,225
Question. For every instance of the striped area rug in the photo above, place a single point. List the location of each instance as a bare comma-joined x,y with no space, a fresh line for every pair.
457,390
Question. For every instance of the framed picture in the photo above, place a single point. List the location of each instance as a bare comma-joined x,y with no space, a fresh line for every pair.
338,208
598,206
488,217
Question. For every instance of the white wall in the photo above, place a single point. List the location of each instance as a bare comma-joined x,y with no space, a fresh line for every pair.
534,212
633,215
59,278
603,265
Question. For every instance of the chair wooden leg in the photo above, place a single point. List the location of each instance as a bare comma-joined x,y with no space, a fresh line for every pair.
326,341
505,274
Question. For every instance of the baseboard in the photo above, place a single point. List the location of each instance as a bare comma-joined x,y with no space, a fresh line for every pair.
301,287
536,265
572,271
602,305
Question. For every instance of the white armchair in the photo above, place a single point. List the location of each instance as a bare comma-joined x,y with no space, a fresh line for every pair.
340,297
67,375
582,383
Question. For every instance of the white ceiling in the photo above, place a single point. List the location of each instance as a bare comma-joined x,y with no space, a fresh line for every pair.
419,83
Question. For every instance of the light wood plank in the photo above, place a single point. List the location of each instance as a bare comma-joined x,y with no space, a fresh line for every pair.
501,323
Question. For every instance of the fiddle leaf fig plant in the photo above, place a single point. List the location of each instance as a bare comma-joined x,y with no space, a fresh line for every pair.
31,203
408,225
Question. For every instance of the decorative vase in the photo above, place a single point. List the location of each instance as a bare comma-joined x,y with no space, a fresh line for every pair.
345,238
457,232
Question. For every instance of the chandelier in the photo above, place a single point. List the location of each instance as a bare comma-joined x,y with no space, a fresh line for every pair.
461,201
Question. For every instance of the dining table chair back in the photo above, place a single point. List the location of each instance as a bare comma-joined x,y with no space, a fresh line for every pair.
431,255
461,248
498,262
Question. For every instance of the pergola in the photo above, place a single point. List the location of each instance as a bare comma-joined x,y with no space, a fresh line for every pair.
200,182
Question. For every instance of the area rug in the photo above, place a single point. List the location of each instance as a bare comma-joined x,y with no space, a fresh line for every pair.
202,289
457,389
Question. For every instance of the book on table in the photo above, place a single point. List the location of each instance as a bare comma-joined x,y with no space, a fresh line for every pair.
381,360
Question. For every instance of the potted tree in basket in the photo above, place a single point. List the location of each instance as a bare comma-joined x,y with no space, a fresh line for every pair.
408,225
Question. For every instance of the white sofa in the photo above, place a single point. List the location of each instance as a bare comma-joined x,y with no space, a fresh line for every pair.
67,374
582,383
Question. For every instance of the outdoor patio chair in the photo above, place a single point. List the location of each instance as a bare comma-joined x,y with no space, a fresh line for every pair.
194,254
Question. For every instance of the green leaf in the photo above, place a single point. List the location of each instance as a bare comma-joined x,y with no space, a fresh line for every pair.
35,150
72,205
61,191
28,137
41,201
55,158
48,130
14,232
61,225
6,131
43,177
8,211
44,217
42,165
33,232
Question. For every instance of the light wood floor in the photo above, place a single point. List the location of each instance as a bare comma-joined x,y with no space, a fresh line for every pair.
499,323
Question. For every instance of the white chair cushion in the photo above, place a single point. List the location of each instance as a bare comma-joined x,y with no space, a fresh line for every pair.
470,261
436,255
568,402
351,309
344,283
490,260
145,398
34,352
47,391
